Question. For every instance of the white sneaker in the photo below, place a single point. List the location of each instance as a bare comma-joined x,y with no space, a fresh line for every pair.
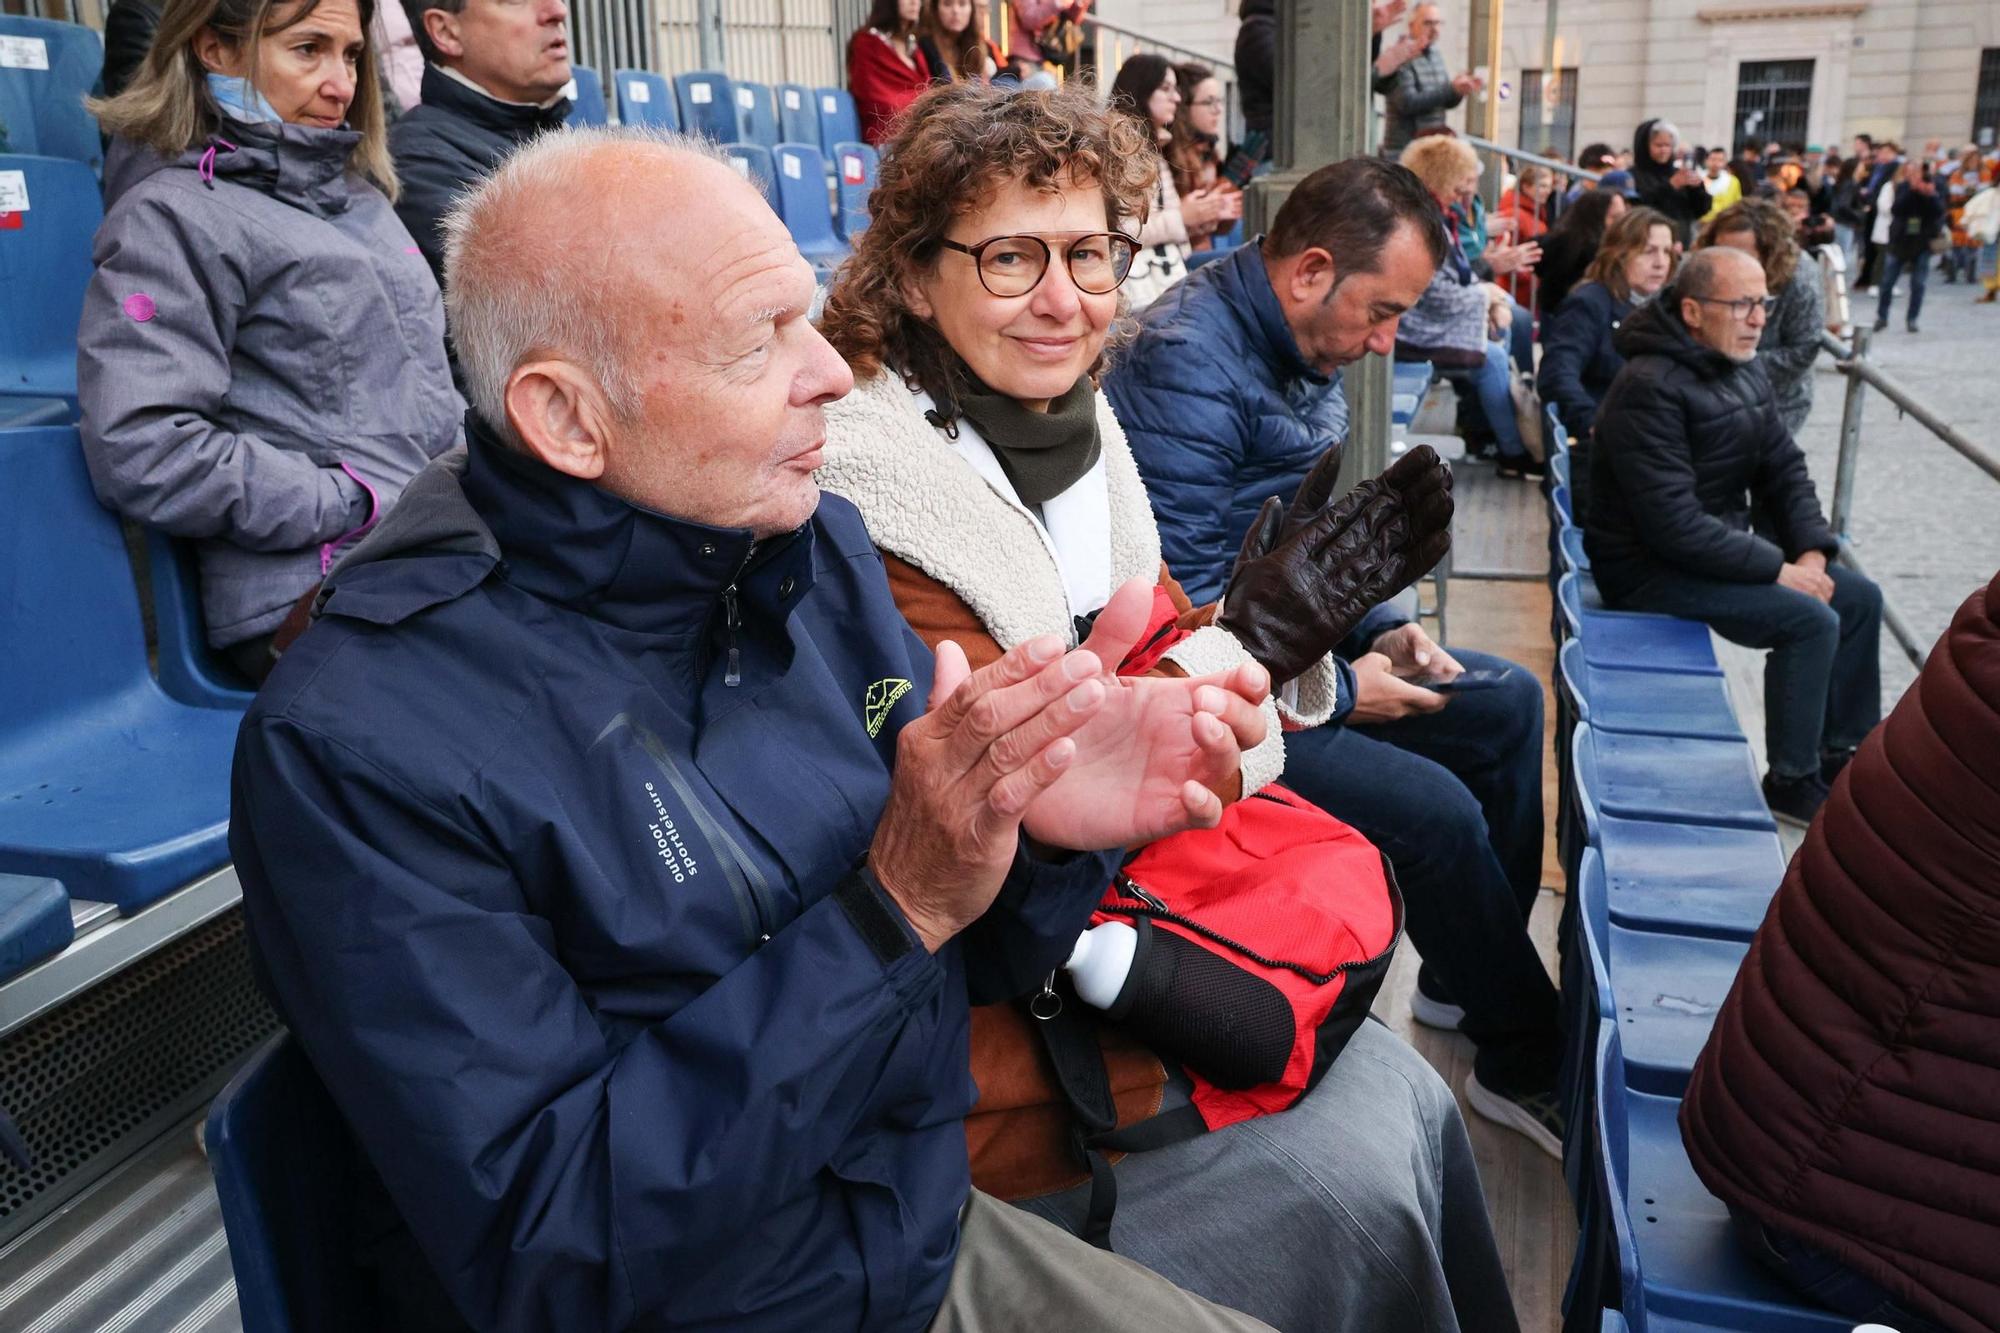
1535,1116
1435,1013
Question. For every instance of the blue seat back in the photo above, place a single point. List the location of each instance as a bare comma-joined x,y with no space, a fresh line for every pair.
1559,469
645,99
802,198
838,121
854,166
69,613
1560,502
798,122
589,108
34,922
1558,434
284,1166
1584,783
190,671
50,68
44,270
1575,557
753,161
756,114
1612,1125
708,104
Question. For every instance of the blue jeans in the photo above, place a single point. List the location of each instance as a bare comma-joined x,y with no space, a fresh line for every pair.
1454,799
1493,387
1521,339
1823,679
1919,270
1359,1208
1813,1272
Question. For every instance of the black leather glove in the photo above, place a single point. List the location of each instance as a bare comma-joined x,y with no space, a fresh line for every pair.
1305,578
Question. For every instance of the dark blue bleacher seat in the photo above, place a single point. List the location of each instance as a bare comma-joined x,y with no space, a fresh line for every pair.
838,121
51,68
1559,474
589,108
707,104
105,783
1410,381
34,921
18,412
1575,558
1670,779
1634,640
44,271
190,671
756,114
854,166
753,162
1646,703
1557,435
283,1162
805,206
645,99
1559,503
798,121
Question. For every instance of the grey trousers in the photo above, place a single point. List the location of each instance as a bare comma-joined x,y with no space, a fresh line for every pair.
1358,1210
1019,1274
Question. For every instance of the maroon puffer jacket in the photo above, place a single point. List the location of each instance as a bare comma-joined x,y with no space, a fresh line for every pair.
1850,1094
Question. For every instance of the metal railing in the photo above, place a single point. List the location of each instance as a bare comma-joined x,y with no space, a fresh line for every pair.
1532,159
1852,361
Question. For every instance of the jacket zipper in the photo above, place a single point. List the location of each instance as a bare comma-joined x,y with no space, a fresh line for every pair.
746,883
1153,906
732,621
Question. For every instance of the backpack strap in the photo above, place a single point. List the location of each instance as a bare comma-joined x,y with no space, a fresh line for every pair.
1068,1037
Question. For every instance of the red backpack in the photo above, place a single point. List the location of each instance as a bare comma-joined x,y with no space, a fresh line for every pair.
1263,943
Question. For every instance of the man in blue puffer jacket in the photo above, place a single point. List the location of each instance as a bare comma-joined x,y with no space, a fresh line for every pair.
1231,396
599,848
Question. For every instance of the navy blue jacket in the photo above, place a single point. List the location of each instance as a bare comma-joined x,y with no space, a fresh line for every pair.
1222,412
551,869
1578,358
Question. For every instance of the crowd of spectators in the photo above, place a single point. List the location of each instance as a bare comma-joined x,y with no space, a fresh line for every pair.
836,612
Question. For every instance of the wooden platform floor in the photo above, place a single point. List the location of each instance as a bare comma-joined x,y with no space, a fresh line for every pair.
1532,1218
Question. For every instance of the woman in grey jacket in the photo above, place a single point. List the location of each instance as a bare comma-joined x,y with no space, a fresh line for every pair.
1790,343
261,357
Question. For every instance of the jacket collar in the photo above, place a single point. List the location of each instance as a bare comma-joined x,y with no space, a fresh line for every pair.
300,165
1246,284
1656,329
515,120
485,508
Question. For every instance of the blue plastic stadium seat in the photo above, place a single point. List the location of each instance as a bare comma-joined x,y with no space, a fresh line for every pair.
589,108
707,104
34,922
284,1163
854,167
1558,436
1686,879
44,270
190,671
1575,557
756,114
839,123
105,783
1634,640
798,118
1559,503
804,204
51,68
1647,703
1671,779
753,163
645,99
1559,469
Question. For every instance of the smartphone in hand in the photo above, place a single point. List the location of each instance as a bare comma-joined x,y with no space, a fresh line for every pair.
1464,680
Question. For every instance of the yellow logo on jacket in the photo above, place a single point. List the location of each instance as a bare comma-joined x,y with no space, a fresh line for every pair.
882,697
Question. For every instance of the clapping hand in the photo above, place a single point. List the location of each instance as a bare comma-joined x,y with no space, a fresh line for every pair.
1305,577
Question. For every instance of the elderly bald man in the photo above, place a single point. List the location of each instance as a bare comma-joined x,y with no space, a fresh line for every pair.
1689,447
623,862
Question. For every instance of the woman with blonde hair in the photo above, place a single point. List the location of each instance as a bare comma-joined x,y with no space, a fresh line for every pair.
1790,343
261,358
977,313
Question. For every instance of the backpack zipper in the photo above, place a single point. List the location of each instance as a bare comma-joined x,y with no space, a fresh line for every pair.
1152,906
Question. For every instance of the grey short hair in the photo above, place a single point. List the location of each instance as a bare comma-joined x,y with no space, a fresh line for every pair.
506,303
1698,270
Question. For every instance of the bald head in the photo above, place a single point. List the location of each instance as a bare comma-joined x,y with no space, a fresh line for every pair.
1426,24
627,308
1721,293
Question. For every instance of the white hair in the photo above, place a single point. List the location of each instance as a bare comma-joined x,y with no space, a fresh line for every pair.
513,294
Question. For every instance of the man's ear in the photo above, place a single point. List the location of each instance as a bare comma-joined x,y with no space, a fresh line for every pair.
560,416
441,26
1313,276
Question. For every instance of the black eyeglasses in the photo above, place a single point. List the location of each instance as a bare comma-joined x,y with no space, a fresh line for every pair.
1742,305
1014,265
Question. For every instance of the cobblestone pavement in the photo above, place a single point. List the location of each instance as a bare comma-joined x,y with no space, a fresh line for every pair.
1926,522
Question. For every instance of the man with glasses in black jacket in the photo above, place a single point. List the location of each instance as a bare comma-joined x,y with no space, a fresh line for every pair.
1689,445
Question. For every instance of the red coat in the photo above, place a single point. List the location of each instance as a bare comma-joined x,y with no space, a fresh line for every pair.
881,82
1850,1093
